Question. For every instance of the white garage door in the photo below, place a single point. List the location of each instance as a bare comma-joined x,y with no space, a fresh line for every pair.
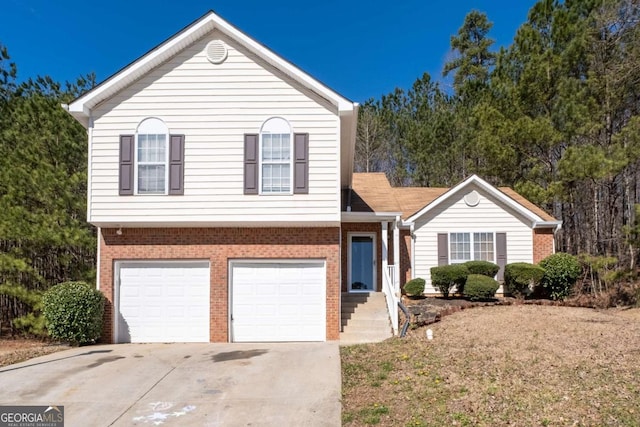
163,302
278,301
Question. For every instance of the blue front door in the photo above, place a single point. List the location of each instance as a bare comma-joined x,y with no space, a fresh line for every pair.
362,277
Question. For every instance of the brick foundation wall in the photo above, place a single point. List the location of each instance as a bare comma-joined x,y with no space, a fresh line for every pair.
218,245
542,244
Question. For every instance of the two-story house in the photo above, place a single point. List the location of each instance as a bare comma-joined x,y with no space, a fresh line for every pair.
221,184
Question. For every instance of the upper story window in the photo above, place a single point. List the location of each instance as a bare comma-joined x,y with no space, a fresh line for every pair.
152,157
471,246
151,160
275,156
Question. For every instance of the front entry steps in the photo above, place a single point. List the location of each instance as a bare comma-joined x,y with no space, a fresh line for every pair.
364,318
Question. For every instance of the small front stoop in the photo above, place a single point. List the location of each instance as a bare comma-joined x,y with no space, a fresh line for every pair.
364,318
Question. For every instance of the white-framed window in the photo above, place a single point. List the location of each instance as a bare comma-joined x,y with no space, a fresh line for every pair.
276,147
478,246
151,157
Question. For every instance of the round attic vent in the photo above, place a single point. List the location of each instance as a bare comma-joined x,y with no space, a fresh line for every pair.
216,51
472,198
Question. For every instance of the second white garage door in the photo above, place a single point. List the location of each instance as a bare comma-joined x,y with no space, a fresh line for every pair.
278,301
160,301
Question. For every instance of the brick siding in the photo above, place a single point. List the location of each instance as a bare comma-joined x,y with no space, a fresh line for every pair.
542,244
218,246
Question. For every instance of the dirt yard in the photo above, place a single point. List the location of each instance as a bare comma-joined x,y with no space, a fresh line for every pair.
21,349
519,365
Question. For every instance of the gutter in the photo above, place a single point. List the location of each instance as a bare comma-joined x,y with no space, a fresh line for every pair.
556,225
369,216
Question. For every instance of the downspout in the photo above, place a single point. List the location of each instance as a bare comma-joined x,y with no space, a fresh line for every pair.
89,180
98,261
385,249
340,273
412,256
396,254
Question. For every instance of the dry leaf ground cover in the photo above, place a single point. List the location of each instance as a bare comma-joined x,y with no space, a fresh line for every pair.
21,349
516,365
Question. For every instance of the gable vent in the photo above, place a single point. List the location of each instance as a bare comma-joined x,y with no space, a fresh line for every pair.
472,198
216,51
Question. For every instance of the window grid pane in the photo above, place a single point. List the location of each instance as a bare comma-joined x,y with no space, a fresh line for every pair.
276,168
460,247
151,163
151,179
483,247
275,178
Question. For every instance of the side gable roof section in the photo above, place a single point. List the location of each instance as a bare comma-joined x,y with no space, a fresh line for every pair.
538,218
81,107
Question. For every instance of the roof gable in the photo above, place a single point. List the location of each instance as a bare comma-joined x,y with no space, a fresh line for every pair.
347,111
81,107
373,193
521,206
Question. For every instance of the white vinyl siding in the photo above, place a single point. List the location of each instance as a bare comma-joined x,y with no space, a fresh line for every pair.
214,106
454,216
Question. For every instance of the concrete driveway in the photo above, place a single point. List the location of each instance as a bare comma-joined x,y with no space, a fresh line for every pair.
291,384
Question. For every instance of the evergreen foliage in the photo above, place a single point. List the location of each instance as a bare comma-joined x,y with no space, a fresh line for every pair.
561,271
486,268
521,278
446,277
480,287
414,287
44,237
73,312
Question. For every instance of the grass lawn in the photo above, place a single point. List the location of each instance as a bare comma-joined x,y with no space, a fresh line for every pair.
516,365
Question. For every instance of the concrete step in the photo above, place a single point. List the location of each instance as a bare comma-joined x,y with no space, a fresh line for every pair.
367,315
348,338
364,318
367,324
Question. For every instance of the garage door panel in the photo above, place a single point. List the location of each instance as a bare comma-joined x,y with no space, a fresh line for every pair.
278,301
164,302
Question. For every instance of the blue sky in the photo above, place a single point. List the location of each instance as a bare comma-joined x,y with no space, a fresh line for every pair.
362,49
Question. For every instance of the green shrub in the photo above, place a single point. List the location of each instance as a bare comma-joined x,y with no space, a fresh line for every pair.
561,271
480,287
414,287
445,277
485,268
73,312
520,278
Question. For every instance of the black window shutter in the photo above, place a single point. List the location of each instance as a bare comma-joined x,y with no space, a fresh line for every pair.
501,254
443,249
125,184
301,163
250,163
176,164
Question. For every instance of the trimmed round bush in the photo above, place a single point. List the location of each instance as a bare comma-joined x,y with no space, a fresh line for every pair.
414,287
480,287
73,312
485,268
561,272
445,277
520,278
